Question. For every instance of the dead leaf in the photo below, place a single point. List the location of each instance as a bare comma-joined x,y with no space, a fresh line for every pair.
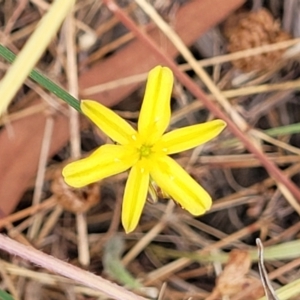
72,199
234,279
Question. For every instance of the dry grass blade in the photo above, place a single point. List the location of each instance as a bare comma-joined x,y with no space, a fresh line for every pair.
270,293
55,265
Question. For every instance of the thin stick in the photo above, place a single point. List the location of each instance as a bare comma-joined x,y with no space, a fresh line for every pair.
8,282
83,243
60,267
49,224
180,263
205,63
37,195
150,235
72,75
49,203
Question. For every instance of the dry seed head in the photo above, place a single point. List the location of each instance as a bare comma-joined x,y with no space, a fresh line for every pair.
246,30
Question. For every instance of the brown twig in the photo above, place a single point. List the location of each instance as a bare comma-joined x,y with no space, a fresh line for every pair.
49,203
60,267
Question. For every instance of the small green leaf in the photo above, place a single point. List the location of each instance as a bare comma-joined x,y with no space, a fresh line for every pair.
5,296
113,266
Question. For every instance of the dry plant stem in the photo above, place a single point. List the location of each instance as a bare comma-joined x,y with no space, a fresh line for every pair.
32,51
115,221
289,197
230,200
104,28
114,224
51,202
243,160
37,195
72,78
174,266
83,245
60,267
162,291
8,282
16,234
206,63
284,269
44,278
10,23
150,235
285,235
233,93
49,224
273,275
143,242
269,291
262,88
47,279
110,47
82,236
198,93
41,4
38,108
280,144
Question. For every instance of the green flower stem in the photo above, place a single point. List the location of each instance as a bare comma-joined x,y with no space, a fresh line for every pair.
43,81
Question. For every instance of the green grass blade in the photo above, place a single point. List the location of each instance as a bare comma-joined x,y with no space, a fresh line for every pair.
43,81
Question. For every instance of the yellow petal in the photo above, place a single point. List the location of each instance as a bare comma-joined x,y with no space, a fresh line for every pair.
191,136
156,111
106,161
108,121
135,196
176,182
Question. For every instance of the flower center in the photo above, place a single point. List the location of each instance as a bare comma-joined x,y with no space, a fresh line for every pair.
145,150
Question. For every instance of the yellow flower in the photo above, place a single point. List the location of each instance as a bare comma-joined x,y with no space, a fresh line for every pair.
145,151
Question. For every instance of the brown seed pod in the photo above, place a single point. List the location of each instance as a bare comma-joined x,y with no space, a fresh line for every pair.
246,30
